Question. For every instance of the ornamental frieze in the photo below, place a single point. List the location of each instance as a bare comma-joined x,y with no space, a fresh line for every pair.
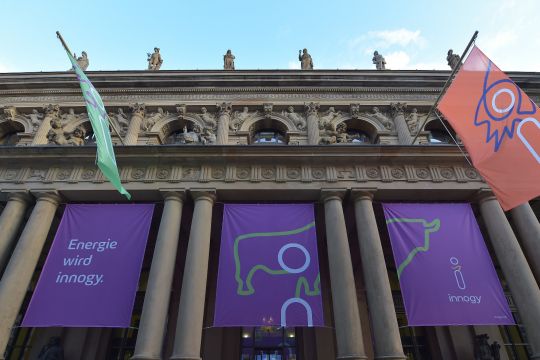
254,173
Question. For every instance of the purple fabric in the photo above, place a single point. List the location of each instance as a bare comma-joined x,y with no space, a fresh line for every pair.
444,268
274,277
92,286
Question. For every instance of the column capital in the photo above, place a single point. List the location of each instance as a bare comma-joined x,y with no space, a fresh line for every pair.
137,109
203,194
398,108
224,108
332,194
18,195
51,196
483,195
311,108
173,194
363,193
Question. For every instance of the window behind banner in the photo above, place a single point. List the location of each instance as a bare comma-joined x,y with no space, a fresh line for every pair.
438,135
269,343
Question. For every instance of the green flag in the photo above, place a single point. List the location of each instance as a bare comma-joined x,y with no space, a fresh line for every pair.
100,125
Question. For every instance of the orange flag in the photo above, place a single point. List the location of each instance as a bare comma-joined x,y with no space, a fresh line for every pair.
499,127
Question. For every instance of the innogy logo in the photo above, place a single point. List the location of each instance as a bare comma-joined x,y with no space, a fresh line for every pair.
515,113
460,281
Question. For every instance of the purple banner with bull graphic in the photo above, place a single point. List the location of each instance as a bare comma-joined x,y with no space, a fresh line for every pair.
443,265
91,274
268,267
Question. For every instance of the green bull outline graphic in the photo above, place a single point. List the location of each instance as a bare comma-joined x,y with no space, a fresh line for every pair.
429,227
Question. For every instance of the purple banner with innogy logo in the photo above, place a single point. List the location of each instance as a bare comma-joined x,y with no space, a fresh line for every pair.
444,268
268,267
91,273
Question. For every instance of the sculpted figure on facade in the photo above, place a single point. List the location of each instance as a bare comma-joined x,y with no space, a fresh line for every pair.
239,117
151,120
77,136
189,137
208,137
268,108
228,61
10,112
298,120
383,119
56,134
181,110
306,63
341,133
70,116
354,111
209,119
328,117
412,121
35,119
154,60
120,119
379,61
452,59
82,60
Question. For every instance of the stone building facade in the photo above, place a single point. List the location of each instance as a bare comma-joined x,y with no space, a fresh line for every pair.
190,141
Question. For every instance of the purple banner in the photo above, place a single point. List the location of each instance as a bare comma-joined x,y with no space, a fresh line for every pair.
443,265
268,267
91,274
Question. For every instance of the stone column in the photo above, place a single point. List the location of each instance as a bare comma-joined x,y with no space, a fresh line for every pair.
137,115
398,114
158,291
23,262
528,229
312,113
189,325
11,219
520,279
349,339
379,295
40,137
224,115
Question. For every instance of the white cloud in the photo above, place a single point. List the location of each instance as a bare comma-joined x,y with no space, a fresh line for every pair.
513,45
397,60
4,68
294,65
401,37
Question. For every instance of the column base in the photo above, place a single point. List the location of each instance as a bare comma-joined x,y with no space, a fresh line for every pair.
181,357
391,357
145,357
352,357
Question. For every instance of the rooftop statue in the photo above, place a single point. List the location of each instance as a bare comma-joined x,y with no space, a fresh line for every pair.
154,60
453,59
379,61
228,61
305,60
82,60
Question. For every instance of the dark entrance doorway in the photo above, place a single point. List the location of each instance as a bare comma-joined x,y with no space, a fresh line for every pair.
269,343
269,354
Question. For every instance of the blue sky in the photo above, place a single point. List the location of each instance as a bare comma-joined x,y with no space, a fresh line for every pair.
266,34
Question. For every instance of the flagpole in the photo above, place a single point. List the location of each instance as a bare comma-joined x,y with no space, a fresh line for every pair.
448,81
108,120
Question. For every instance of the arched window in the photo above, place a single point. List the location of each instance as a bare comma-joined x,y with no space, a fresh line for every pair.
268,132
268,136
9,133
9,139
357,131
438,134
89,139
